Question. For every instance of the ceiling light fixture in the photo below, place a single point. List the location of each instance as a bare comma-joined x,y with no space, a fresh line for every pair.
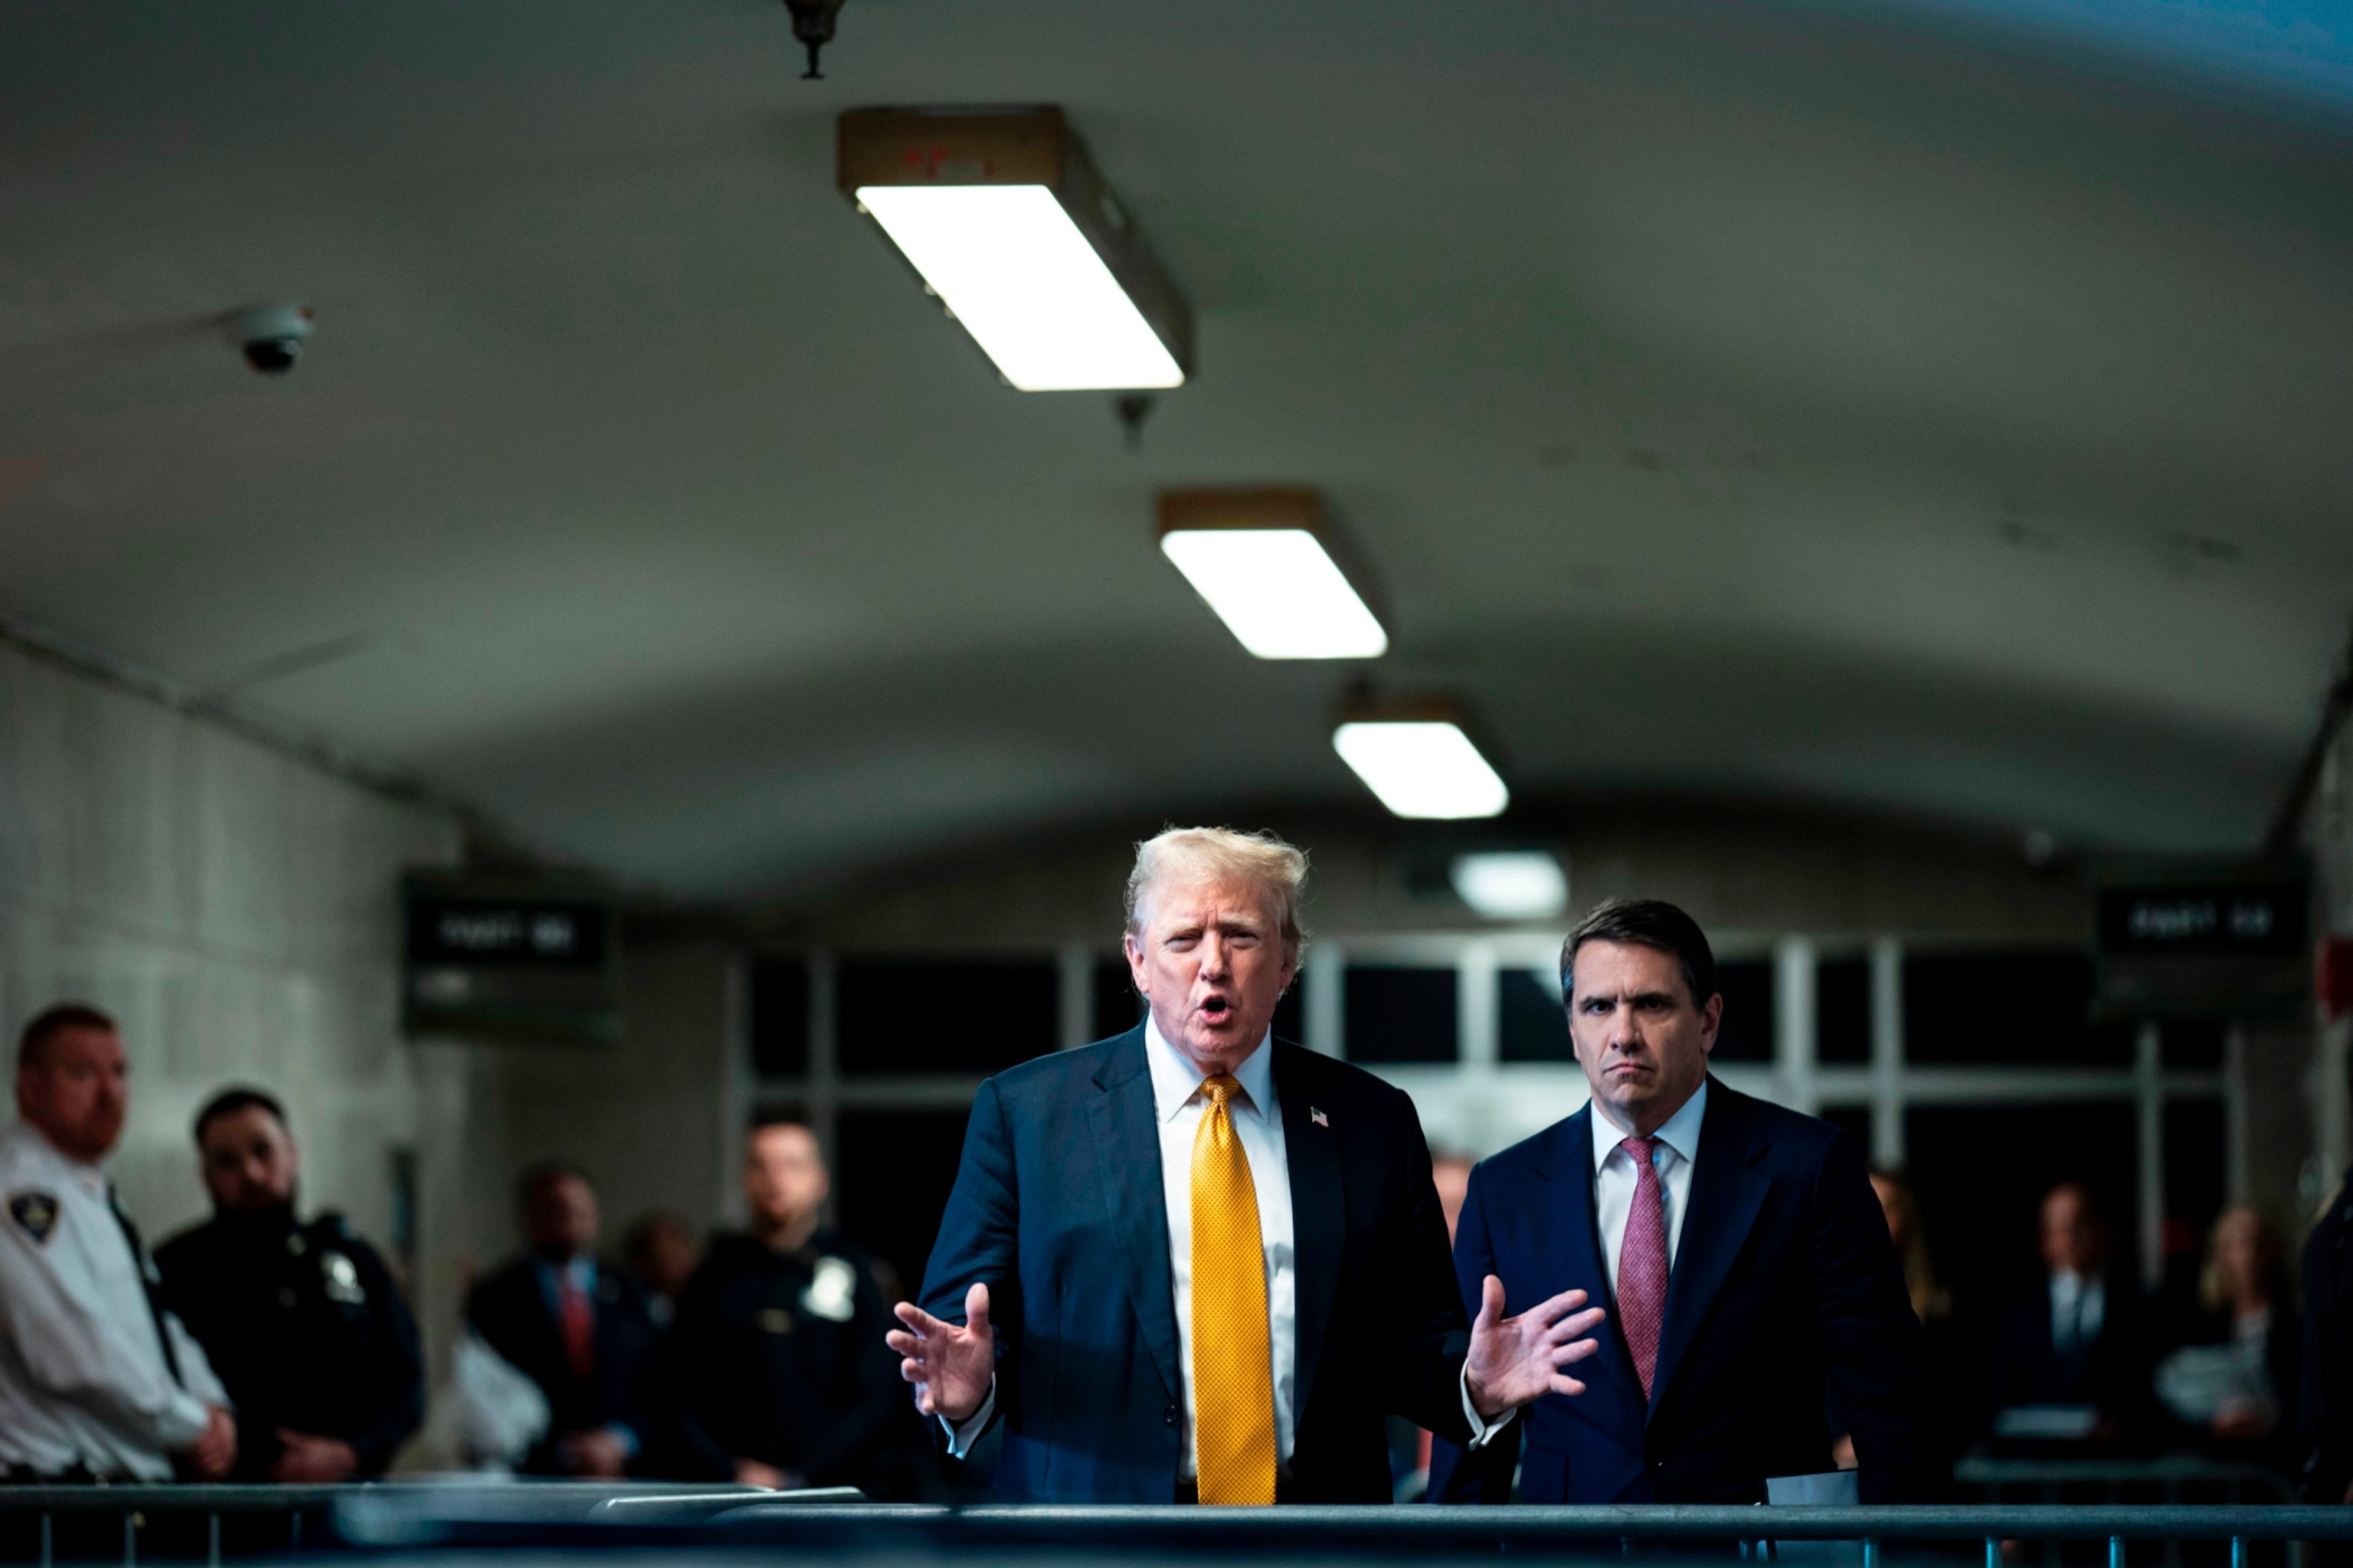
1269,562
1418,758
1004,216
1511,884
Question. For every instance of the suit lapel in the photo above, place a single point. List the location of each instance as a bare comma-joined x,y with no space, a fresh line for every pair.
1727,1194
1567,1227
1319,1218
1127,1152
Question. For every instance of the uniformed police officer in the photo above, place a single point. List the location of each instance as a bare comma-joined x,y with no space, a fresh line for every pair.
775,1373
304,1323
98,1382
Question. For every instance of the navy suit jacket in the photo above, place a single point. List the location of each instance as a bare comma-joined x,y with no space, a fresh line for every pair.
1059,1209
1786,1313
511,1312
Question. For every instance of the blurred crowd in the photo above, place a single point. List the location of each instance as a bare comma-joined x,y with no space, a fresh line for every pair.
263,1345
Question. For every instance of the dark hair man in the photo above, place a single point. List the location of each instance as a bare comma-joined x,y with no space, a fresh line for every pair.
775,1373
1194,1262
98,1382
2081,1341
304,1323
579,1329
1749,1265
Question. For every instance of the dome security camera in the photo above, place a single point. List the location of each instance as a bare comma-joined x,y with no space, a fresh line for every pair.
272,337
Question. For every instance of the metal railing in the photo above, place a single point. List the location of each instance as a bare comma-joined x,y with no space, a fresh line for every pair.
424,1517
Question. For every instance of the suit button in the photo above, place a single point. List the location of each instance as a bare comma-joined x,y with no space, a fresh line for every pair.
1171,1416
1658,1464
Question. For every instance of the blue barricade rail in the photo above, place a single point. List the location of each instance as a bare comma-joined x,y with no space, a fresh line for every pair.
419,1516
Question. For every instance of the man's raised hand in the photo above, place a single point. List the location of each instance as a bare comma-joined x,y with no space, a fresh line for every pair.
950,1366
1516,1360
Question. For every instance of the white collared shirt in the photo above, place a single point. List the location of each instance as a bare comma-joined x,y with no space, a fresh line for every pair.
82,1377
2079,1308
1614,1176
1178,1103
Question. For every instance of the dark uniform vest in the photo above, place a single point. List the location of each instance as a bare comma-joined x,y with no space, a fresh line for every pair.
307,1330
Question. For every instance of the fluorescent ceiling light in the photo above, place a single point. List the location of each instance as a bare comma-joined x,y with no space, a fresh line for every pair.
1277,591
1422,767
1007,220
1511,884
1013,268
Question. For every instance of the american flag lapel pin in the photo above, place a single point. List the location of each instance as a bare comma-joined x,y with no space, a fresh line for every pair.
1318,1117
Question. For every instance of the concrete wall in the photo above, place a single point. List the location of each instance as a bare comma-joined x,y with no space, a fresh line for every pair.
238,910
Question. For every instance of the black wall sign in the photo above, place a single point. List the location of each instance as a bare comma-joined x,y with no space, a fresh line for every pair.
510,960
2220,940
2204,918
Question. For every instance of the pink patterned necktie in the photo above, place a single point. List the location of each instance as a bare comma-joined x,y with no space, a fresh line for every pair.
1642,1264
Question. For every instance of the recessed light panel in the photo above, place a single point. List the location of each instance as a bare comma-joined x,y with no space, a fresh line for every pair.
1422,767
1511,884
1008,222
1015,270
1278,591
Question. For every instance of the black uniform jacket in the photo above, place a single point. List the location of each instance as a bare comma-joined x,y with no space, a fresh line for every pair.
307,1330
512,1313
779,1357
2326,1406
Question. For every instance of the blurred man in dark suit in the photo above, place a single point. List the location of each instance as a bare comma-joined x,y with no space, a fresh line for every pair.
579,1329
1753,1287
1195,1262
2080,1341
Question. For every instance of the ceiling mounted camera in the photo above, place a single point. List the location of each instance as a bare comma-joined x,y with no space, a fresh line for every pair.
272,337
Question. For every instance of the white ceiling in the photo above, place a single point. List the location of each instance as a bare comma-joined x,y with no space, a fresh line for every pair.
1865,403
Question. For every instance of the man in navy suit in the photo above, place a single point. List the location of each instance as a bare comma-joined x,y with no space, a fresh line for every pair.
577,1329
1758,1308
1195,1262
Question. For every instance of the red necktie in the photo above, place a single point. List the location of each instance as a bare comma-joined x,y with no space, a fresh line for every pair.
579,1326
1642,1264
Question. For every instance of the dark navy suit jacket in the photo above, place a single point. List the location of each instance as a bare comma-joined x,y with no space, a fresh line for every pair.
511,1311
1059,1209
1786,1313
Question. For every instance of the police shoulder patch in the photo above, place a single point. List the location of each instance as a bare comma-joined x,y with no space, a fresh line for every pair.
36,1211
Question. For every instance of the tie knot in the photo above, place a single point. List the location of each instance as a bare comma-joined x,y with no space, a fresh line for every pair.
1221,1088
1639,1149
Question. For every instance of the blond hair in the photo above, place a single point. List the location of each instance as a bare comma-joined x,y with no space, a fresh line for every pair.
1221,854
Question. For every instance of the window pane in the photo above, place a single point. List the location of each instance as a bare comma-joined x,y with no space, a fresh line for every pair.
1531,1027
926,1016
1982,1172
1399,1014
779,1017
1746,1032
2016,1007
893,1174
1117,1007
1856,1119
2194,1135
2193,1047
1843,1010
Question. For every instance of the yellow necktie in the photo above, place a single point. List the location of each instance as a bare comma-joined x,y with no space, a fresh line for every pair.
1233,1359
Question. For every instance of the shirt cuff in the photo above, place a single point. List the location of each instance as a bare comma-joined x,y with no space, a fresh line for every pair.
1482,1432
626,1436
183,1420
962,1438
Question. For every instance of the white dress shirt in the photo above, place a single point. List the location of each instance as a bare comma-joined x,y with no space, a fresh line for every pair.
82,1378
1614,1177
2079,1308
1178,1103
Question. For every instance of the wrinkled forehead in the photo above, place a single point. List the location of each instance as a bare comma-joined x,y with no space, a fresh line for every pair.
1178,898
78,1046
1625,969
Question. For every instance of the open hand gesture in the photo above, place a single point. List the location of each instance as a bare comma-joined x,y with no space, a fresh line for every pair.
1517,1359
951,1367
